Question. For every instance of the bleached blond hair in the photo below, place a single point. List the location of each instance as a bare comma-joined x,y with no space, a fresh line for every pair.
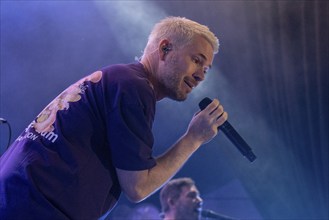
180,32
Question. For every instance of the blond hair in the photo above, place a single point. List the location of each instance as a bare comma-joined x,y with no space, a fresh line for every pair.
180,31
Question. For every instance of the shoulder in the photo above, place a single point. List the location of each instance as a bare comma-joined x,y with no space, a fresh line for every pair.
128,81
130,75
123,70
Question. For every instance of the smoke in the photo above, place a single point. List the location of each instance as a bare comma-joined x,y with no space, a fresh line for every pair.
130,22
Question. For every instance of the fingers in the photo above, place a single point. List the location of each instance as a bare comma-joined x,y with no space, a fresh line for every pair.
212,107
204,124
216,113
220,120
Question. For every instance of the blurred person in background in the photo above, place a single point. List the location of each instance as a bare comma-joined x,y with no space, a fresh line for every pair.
180,200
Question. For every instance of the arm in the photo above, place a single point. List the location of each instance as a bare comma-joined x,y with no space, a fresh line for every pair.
137,185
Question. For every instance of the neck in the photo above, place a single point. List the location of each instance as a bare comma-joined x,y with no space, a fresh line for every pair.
151,71
168,216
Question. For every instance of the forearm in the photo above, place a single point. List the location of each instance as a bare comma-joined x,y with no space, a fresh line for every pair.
144,183
169,163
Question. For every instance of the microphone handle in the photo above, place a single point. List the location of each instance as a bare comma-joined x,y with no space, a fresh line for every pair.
237,140
232,134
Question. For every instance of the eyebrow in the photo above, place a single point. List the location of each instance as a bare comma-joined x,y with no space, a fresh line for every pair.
193,193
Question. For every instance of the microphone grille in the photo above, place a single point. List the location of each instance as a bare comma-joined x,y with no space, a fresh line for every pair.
204,103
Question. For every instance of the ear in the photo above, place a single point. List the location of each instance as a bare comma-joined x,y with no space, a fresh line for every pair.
164,48
171,202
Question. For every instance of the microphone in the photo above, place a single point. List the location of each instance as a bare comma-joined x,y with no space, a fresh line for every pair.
2,121
232,134
206,213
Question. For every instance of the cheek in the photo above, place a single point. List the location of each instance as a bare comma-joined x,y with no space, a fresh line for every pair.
181,65
189,67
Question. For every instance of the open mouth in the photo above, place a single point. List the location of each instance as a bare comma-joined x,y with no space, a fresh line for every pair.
198,209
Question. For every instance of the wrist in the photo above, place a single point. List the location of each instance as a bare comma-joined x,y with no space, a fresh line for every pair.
191,141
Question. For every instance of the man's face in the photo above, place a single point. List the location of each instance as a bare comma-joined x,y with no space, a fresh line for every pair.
188,205
183,69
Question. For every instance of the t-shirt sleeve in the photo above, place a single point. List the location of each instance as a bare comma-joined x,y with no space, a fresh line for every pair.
131,139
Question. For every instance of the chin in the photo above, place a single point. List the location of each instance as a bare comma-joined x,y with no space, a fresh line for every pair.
179,97
188,217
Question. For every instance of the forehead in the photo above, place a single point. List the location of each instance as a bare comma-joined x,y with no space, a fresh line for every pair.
189,189
200,46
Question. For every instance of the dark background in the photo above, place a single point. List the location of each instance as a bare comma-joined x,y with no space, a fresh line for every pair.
271,75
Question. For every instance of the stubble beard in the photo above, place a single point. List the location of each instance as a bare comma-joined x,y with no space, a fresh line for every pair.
171,81
184,213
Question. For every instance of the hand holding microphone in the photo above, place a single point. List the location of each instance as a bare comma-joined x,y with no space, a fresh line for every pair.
232,134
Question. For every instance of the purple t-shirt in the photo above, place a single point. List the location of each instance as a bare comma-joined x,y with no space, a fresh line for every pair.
63,165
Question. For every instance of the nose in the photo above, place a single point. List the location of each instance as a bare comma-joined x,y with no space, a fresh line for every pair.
199,75
199,199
